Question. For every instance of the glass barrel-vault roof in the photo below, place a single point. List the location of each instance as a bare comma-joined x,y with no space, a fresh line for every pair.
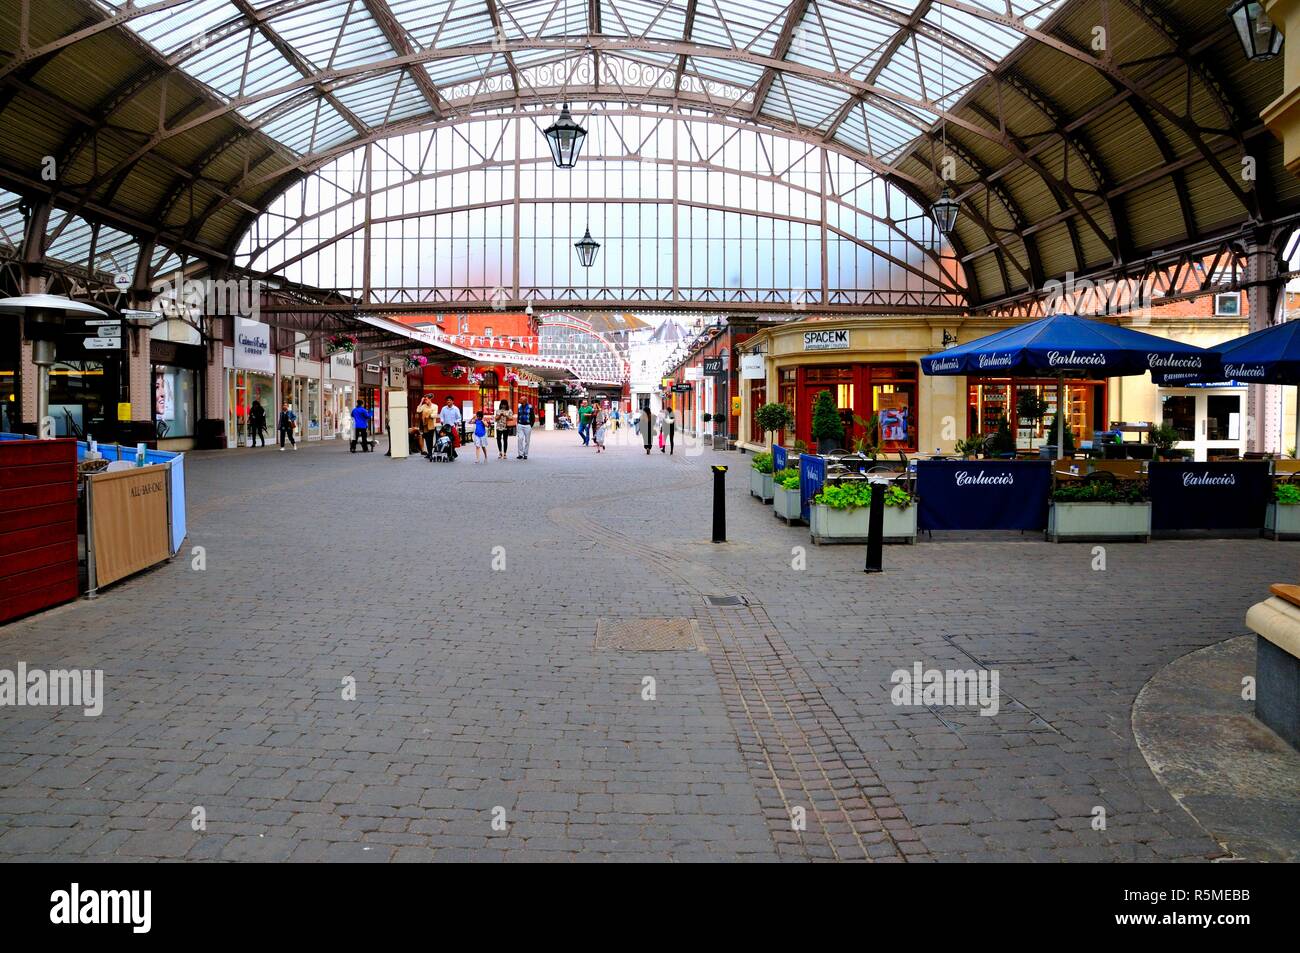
868,74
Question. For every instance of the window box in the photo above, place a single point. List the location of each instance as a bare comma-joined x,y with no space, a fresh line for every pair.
786,505
828,525
760,485
1087,521
1282,521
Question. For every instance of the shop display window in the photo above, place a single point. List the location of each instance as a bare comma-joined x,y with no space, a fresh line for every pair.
175,400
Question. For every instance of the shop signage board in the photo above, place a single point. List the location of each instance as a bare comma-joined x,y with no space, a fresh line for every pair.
693,373
826,340
253,346
812,476
752,367
713,367
103,344
983,494
342,365
778,457
129,524
1227,495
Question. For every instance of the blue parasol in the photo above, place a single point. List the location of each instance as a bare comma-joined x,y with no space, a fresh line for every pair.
1064,344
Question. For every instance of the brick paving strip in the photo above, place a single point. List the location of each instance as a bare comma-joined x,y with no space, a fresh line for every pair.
798,752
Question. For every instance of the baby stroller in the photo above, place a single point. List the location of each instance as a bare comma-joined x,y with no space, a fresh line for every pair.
443,451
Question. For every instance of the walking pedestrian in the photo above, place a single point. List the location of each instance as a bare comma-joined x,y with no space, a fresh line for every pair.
585,411
600,420
257,423
480,436
646,424
667,426
361,428
288,420
525,417
427,415
501,421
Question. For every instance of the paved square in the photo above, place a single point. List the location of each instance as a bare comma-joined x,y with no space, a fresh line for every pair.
350,678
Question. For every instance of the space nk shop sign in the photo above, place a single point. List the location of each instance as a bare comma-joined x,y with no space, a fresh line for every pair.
1228,495
826,340
982,494
253,346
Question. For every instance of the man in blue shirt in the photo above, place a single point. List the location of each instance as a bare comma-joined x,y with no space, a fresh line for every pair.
524,428
360,427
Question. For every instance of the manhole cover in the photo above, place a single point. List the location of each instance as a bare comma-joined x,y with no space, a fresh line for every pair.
726,600
648,635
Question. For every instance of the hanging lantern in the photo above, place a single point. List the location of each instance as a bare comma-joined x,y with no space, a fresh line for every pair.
587,249
565,138
1260,38
945,210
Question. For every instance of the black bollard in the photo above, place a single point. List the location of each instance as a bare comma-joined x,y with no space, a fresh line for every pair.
876,528
719,504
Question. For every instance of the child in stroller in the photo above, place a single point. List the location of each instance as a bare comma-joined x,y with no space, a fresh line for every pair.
443,449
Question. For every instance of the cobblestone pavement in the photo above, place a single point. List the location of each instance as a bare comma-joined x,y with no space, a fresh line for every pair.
480,694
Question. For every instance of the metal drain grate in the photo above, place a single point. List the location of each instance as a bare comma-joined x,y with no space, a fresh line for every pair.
648,635
726,600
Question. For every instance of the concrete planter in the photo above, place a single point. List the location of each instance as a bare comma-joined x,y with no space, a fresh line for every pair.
760,485
785,504
1085,521
851,526
1282,521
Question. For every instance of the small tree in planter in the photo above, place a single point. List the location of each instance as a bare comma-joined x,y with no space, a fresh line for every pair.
1164,436
1002,442
786,503
827,428
1030,406
773,417
760,476
1069,436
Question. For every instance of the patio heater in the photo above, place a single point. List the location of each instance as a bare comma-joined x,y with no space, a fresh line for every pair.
43,319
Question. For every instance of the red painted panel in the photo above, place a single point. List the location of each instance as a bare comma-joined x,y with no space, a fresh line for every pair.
38,545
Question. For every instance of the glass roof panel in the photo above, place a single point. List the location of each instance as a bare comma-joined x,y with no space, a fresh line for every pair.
383,98
804,103
647,18
172,29
841,37
333,35
221,65
751,25
532,18
443,24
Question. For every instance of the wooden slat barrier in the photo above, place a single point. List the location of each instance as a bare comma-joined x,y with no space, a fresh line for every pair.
38,525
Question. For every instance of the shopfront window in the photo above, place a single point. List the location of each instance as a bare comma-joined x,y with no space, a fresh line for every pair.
789,389
175,392
1179,412
487,391
9,377
989,400
313,408
757,398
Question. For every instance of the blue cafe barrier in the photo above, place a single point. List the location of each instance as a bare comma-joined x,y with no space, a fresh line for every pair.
779,457
1231,494
983,494
812,476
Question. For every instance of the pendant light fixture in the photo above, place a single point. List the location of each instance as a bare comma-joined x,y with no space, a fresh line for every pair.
587,249
564,135
945,208
1259,35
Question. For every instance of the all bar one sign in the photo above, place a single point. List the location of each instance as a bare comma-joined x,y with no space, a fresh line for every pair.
826,340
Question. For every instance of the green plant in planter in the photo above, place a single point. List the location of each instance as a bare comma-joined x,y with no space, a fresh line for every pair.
787,478
897,497
847,496
1069,435
970,446
1120,491
762,462
1164,436
826,424
869,442
773,417
1003,441
1287,494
